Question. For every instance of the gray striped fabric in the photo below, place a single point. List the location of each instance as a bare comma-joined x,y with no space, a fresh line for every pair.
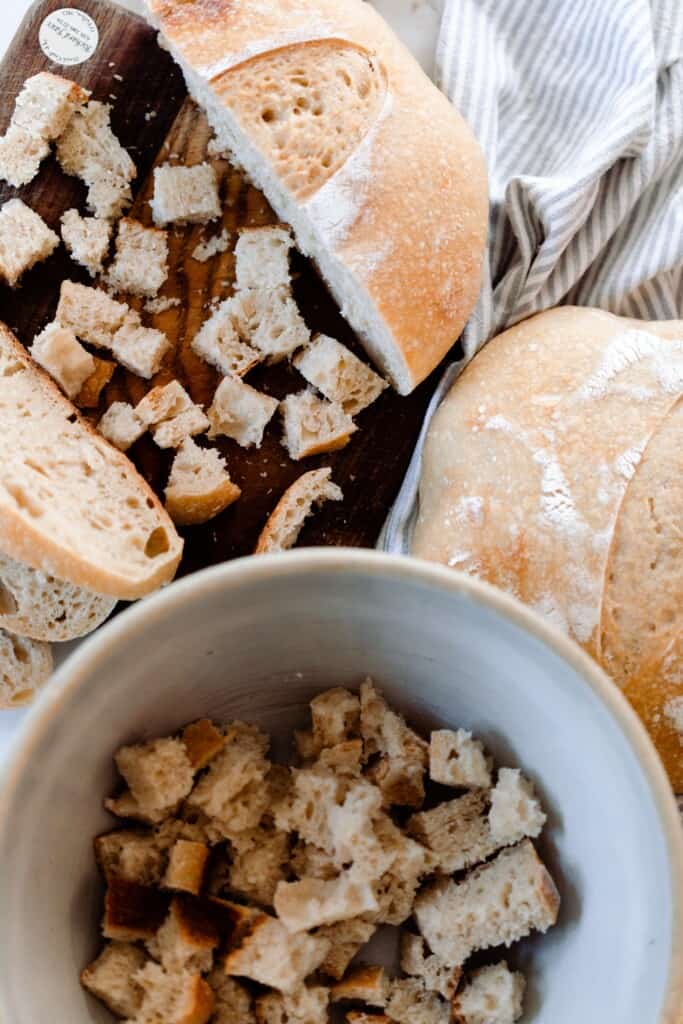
578,105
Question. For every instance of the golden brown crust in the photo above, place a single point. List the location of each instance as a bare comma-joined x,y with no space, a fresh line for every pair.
23,539
132,911
89,395
202,741
199,1002
417,240
186,866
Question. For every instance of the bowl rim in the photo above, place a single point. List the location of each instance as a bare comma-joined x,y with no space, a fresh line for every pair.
79,665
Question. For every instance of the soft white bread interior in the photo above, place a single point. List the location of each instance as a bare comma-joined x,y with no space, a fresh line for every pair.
552,469
36,605
25,666
87,239
379,177
199,486
492,995
25,239
88,149
70,504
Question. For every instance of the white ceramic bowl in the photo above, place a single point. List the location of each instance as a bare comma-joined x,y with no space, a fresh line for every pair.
256,639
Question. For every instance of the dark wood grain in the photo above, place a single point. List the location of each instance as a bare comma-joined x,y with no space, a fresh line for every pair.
157,123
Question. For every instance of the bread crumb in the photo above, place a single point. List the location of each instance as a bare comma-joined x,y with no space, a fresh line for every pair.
209,247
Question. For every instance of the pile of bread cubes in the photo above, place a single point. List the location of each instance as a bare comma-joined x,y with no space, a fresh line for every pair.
252,890
259,323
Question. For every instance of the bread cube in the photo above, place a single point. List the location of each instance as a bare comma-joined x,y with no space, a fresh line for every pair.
313,425
59,352
21,154
238,771
455,759
399,773
172,433
273,956
241,412
158,773
270,321
89,395
173,997
47,103
140,349
411,1003
365,984
286,521
185,195
186,866
312,902
110,978
203,741
407,862
496,904
339,375
25,239
515,811
163,402
132,911
129,854
259,862
262,257
87,239
126,806
88,149
493,995
335,715
307,1005
121,426
199,486
218,343
345,939
436,975
90,313
140,264
187,938
233,1001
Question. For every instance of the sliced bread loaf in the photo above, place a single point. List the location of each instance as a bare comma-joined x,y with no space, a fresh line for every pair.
70,504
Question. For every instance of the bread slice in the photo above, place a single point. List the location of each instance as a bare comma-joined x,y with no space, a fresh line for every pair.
140,349
89,395
345,940
140,264
47,103
269,319
186,866
185,195
339,375
172,997
492,995
411,1003
218,343
173,432
88,149
90,313
262,257
241,412
25,666
233,1002
121,425
25,239
312,902
36,605
273,956
363,984
59,352
158,773
110,978
455,759
87,239
313,426
308,1005
287,518
21,154
496,904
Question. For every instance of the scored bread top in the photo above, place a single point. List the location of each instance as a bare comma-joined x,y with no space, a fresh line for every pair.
379,176
70,504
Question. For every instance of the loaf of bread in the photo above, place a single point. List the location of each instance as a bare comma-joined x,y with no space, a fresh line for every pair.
71,505
554,470
378,175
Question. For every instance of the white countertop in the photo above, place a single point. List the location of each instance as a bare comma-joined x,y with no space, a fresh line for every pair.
416,21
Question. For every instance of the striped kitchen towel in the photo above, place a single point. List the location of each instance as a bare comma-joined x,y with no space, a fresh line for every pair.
578,106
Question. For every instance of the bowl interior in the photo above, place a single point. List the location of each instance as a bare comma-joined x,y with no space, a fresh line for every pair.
257,642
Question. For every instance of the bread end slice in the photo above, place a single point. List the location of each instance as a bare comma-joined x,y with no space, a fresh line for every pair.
296,504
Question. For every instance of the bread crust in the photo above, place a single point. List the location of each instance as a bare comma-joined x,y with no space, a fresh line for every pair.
415,242
23,538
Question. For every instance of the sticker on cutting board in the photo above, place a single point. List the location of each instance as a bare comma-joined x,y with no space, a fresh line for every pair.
68,36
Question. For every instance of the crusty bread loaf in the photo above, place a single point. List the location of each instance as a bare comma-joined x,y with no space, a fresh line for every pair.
70,504
543,471
36,605
296,504
25,666
379,177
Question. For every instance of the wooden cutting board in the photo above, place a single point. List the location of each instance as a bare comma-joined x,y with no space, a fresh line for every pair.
156,122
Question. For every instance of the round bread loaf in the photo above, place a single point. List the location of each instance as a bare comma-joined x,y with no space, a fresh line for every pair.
554,469
378,175
35,604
